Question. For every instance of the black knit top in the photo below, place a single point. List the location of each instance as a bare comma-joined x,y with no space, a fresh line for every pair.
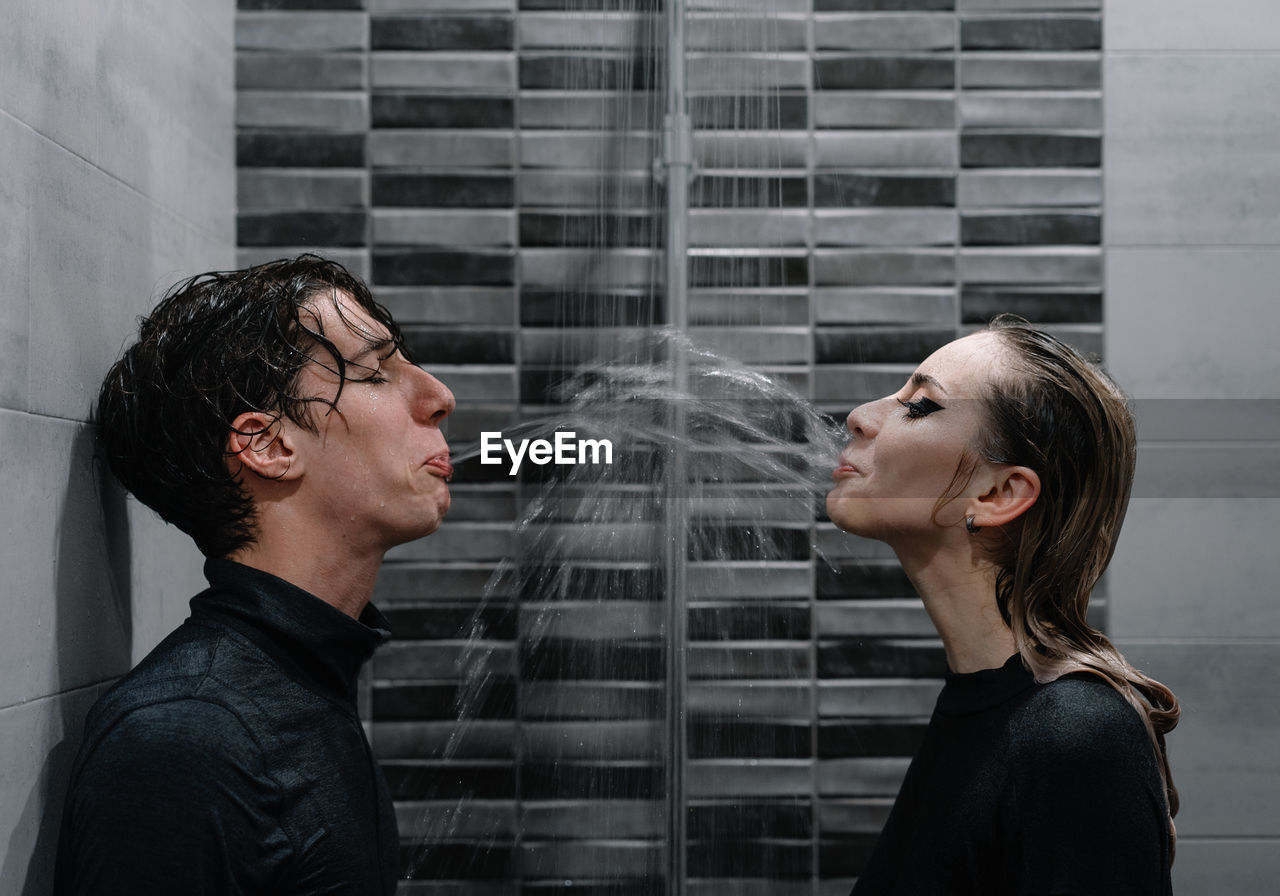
1027,790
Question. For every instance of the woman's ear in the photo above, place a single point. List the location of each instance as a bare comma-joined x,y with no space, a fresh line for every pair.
1014,490
262,444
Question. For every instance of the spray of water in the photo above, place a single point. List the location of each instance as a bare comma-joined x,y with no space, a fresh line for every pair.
755,462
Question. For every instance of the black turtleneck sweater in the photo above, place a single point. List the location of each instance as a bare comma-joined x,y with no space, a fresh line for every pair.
1022,789
232,759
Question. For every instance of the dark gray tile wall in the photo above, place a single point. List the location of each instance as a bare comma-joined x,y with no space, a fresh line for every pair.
874,178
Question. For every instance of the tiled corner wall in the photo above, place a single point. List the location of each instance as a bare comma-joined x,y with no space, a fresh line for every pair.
873,178
117,180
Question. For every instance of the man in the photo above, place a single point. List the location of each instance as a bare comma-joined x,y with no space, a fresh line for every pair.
272,415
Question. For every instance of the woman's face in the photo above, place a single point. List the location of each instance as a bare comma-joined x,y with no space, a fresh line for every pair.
905,448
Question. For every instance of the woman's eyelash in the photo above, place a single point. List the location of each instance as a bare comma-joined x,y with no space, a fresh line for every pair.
921,407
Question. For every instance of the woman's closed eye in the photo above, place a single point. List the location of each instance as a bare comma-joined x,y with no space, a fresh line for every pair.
921,407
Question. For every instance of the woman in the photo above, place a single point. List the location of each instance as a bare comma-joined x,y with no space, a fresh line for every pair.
999,474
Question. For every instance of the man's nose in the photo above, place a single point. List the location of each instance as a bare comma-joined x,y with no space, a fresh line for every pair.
435,400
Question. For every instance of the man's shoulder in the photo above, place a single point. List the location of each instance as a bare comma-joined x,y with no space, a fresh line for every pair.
196,677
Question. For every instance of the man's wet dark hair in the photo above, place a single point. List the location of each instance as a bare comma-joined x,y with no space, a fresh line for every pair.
220,344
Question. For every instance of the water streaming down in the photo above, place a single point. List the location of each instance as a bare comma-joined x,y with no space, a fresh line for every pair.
588,572
574,639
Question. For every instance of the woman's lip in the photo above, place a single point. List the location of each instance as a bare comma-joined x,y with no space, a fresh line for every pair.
844,470
441,462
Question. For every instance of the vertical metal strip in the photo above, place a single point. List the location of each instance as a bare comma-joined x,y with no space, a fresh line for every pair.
676,171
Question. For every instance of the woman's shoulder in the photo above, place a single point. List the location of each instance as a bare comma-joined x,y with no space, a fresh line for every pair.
1080,719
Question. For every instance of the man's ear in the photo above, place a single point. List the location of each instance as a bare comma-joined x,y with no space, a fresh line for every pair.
263,444
1013,492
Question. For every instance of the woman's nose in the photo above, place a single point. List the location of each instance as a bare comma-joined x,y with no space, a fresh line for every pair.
864,420
435,398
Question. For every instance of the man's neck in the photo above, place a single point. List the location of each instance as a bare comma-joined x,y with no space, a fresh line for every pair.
338,579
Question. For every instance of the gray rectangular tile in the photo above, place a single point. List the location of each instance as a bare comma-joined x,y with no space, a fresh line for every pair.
1036,71
747,72
748,227
452,227
773,31
301,71
1212,865
474,72
1252,25
1029,187
1184,163
442,149
901,149
882,31
1183,352
871,305
301,189
1165,569
449,304
302,30
339,111
1043,109
926,110
1222,753
886,227
1038,265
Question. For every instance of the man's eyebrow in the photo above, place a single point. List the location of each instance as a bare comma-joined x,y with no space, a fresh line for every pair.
923,379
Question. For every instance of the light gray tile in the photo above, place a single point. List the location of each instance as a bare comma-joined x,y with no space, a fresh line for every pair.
1208,469
1190,153
441,149
165,572
927,110
1207,867
731,8
871,305
748,227
853,31
1036,71
886,227
748,580
578,30
444,71
1222,753
609,151
454,227
773,31
862,777
97,254
1037,187
39,742
1182,351
441,5
67,557
751,345
1026,5
295,109
770,151
1189,25
302,30
890,698
1009,109
757,71
762,307
1168,580
307,188
147,98
873,618
892,149
1054,265
755,777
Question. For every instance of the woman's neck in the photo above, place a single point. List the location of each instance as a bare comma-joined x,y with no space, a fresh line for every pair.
959,594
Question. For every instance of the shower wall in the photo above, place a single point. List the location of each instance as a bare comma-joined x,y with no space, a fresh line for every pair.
873,177
116,131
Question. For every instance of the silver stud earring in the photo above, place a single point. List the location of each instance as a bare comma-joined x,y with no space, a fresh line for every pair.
969,526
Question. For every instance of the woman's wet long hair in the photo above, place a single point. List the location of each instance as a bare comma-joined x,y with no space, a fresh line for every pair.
1055,412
